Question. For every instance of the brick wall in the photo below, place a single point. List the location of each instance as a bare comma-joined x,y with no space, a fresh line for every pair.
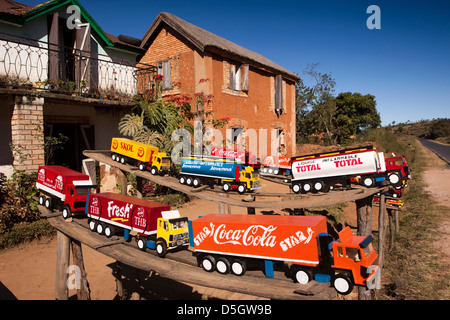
27,125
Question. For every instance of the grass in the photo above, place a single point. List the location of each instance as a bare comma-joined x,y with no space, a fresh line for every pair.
26,232
414,269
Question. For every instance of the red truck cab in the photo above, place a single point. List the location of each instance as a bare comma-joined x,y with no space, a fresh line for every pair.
63,189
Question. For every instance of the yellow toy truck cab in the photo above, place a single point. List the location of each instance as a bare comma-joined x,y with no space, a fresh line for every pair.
172,232
251,178
160,163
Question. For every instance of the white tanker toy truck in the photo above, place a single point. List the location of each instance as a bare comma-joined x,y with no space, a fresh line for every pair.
318,172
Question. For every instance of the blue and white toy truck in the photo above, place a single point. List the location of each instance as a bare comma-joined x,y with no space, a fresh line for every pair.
232,175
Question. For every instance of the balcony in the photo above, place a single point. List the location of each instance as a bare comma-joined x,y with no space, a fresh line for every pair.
48,68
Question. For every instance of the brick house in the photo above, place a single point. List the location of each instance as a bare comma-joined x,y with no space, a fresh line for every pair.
254,92
56,78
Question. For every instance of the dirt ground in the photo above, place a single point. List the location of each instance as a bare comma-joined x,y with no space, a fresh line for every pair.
27,272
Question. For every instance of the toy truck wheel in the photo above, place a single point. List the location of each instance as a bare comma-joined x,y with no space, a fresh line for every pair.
189,181
109,231
42,200
123,160
208,263
368,182
142,243
226,187
154,171
307,187
318,186
113,157
302,275
394,178
275,171
296,188
141,167
223,265
343,284
241,189
48,203
182,180
161,248
238,267
92,225
196,182
100,228
66,212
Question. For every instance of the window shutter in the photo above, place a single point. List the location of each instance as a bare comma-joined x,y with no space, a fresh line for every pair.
167,81
244,74
53,40
232,77
279,93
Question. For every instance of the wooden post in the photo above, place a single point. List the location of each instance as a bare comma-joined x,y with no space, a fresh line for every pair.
391,228
83,292
381,230
118,276
62,264
364,217
222,205
397,225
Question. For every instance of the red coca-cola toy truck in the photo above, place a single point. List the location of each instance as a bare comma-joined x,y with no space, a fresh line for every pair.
228,243
63,188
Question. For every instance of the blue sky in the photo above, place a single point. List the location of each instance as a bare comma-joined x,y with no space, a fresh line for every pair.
405,64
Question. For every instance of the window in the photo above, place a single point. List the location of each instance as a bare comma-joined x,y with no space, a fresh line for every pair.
239,77
164,70
279,94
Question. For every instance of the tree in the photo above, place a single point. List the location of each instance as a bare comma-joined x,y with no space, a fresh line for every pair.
315,105
354,114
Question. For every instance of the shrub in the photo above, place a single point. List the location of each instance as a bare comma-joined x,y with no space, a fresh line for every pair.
17,200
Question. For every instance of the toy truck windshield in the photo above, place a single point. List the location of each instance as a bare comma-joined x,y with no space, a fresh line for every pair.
179,223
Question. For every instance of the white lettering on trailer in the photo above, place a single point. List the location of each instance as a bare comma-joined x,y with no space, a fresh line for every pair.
119,212
296,239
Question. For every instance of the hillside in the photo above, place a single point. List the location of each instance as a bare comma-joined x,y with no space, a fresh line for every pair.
436,129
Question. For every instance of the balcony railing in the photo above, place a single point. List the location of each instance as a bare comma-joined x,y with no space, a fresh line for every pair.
42,66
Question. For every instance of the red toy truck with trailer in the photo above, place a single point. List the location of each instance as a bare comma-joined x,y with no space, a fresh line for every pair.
155,225
63,188
318,172
276,165
227,243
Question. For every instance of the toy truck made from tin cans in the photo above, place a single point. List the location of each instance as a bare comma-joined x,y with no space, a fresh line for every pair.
63,189
154,224
229,243
318,172
244,157
276,165
230,174
145,156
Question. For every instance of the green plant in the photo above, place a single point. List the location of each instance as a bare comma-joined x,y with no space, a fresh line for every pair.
18,204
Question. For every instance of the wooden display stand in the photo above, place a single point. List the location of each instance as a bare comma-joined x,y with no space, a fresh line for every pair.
182,266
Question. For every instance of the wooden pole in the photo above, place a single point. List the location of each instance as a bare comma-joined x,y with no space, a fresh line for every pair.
123,182
119,283
364,217
381,230
62,264
397,225
391,228
83,291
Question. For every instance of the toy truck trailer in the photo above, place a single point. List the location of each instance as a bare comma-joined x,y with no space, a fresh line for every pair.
246,158
228,243
277,165
232,175
154,224
145,156
63,188
318,172
397,165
